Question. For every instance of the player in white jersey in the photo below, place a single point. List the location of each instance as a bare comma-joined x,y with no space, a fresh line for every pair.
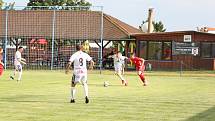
18,61
79,60
119,61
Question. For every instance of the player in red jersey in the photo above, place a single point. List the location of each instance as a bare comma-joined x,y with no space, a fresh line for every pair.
1,63
140,67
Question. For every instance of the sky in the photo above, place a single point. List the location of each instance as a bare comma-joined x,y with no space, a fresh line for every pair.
176,15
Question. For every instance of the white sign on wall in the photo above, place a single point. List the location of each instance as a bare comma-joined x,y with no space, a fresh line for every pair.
195,51
185,48
187,38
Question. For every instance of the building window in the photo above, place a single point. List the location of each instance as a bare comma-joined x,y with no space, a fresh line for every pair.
143,49
167,51
155,51
206,50
1,42
213,50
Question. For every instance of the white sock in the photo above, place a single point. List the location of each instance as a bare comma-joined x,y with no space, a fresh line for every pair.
120,76
73,91
19,75
85,89
123,71
14,73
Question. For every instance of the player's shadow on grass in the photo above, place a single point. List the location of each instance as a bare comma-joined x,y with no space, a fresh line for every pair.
33,101
28,99
102,85
208,115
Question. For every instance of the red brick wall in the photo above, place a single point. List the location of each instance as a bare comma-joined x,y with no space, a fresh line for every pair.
204,63
2,23
189,63
168,65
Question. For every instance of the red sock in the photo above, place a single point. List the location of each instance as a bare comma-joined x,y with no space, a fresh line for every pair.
142,77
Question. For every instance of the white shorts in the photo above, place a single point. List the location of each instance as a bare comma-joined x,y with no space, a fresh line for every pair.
118,69
79,78
18,67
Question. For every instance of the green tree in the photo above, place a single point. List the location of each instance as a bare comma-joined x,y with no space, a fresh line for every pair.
1,4
158,26
77,3
59,3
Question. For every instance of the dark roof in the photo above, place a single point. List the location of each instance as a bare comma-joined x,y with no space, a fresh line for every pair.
68,24
175,36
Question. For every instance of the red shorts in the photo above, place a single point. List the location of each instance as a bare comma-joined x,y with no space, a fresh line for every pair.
1,69
140,68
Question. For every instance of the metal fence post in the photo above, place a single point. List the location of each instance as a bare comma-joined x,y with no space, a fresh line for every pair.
181,67
53,39
101,40
5,43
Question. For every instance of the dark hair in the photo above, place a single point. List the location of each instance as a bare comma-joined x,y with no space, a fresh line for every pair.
20,47
131,54
78,47
117,52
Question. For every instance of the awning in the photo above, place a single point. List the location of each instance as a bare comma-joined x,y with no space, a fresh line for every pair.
42,41
39,41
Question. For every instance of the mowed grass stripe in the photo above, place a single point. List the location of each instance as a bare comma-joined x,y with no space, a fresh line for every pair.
44,96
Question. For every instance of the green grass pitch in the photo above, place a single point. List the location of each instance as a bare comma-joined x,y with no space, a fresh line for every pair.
45,95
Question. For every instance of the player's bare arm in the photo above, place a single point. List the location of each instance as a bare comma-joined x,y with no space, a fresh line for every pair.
21,61
68,66
91,64
125,57
143,60
2,63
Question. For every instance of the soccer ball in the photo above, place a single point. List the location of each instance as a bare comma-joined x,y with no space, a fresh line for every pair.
106,84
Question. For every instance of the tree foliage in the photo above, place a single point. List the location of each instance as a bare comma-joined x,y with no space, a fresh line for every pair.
59,3
158,26
1,3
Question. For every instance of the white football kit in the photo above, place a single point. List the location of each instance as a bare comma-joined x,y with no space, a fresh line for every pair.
17,64
79,60
118,62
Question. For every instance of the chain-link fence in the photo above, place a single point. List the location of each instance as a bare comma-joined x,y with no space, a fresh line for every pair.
49,34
